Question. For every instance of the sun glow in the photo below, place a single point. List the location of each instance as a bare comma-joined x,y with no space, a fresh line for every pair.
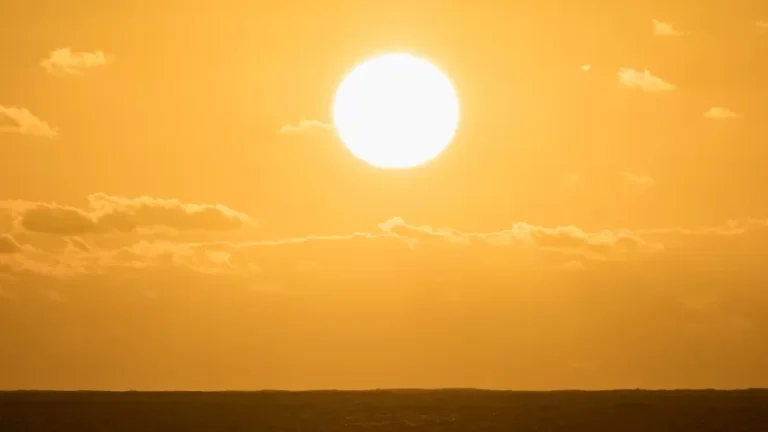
396,111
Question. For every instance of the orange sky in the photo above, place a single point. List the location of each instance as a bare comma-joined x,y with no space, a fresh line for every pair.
594,228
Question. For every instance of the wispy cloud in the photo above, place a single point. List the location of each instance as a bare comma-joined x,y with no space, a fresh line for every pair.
395,240
721,113
643,80
20,120
586,67
638,180
66,61
365,278
762,24
8,244
661,28
304,126
316,254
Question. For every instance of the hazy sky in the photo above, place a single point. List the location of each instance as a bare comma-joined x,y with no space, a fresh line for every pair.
176,212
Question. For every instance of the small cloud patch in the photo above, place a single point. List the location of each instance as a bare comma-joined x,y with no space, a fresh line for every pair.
643,80
66,61
638,180
22,121
661,28
721,113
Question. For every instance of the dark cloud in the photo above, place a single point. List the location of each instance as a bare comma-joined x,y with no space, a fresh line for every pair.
108,213
56,219
78,243
8,245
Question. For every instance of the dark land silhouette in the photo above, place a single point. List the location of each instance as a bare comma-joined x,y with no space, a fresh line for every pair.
387,410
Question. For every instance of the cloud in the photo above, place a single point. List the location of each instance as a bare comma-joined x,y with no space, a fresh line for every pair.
20,120
305,126
567,239
374,296
721,113
664,29
78,244
638,180
643,80
356,252
8,245
397,255
762,24
66,61
586,67
109,213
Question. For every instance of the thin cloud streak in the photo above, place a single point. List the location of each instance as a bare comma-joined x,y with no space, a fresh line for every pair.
638,180
305,126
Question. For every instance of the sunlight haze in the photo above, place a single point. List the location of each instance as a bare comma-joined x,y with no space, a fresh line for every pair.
584,204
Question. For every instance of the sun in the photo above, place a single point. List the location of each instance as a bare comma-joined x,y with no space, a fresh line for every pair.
396,111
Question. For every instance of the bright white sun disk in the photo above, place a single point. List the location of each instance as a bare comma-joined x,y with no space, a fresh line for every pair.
396,111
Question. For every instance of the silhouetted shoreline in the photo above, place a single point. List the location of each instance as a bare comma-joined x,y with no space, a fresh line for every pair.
386,409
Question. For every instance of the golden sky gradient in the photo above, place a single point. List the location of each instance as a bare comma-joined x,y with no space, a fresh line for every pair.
177,212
